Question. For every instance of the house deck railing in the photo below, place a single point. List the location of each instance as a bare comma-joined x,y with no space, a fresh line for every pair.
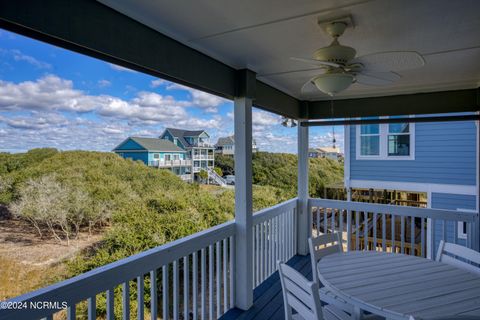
195,275
391,228
171,163
274,238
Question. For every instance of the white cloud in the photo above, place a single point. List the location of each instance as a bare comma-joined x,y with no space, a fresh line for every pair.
197,123
158,82
104,83
120,68
36,122
201,99
47,93
19,56
52,93
325,139
265,119
50,112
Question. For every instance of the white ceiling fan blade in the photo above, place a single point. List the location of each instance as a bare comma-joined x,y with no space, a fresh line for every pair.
376,78
317,63
391,61
308,87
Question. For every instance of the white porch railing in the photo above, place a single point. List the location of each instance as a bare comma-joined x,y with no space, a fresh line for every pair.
171,163
274,238
391,228
194,275
193,278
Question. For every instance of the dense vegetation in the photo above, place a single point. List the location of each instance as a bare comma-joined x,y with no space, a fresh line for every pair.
280,171
63,193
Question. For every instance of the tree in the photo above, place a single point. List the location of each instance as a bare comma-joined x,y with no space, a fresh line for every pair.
42,202
218,171
203,174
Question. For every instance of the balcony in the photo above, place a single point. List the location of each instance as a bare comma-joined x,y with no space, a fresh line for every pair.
202,145
196,275
171,163
203,157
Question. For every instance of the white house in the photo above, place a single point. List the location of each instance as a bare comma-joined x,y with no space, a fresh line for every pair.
325,152
226,145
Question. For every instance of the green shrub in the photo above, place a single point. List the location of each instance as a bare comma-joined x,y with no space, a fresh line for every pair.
280,170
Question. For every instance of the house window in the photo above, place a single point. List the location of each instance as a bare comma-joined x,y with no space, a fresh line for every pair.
156,156
386,141
399,139
462,230
370,140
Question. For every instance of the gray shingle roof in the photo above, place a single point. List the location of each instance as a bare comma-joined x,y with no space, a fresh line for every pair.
181,133
223,141
156,144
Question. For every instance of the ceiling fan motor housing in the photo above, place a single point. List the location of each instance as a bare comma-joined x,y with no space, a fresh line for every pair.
336,53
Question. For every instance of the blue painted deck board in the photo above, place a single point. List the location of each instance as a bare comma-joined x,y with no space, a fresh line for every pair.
268,299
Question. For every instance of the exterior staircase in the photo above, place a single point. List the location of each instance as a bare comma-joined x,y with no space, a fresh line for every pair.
216,178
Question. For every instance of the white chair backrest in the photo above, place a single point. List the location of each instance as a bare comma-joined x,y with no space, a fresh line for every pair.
299,294
320,247
450,253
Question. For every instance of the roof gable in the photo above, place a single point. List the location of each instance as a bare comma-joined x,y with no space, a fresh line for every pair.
129,144
181,134
226,141
153,144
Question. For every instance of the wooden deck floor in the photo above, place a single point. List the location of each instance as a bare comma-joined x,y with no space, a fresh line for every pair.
268,299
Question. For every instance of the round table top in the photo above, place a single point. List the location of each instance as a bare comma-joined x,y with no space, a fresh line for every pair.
397,285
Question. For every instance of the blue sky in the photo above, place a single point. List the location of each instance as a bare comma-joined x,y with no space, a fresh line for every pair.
51,97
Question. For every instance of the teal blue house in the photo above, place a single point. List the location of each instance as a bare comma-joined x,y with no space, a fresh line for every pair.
156,152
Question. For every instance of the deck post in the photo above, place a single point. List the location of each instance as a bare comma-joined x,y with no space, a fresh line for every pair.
303,225
243,194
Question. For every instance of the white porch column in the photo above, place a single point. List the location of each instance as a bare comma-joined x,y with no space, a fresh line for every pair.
303,219
346,162
243,203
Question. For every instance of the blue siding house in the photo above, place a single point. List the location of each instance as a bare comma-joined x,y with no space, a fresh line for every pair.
437,159
156,152
198,147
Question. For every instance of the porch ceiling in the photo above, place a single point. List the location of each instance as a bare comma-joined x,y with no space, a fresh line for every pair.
214,45
263,35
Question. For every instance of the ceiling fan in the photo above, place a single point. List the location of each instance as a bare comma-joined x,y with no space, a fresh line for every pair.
342,68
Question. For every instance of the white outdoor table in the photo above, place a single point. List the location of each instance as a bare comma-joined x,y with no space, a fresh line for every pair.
397,286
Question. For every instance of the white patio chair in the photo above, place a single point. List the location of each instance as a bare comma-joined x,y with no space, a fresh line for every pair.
302,295
320,247
458,256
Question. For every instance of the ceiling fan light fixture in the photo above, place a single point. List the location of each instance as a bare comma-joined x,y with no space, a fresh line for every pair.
333,83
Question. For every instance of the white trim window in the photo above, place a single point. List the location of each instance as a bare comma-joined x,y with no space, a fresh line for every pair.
394,141
398,139
369,140
462,230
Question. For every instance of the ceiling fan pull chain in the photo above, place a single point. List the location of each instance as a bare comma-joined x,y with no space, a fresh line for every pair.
333,127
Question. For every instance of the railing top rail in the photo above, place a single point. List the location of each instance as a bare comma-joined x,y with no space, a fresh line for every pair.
267,213
103,278
440,214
